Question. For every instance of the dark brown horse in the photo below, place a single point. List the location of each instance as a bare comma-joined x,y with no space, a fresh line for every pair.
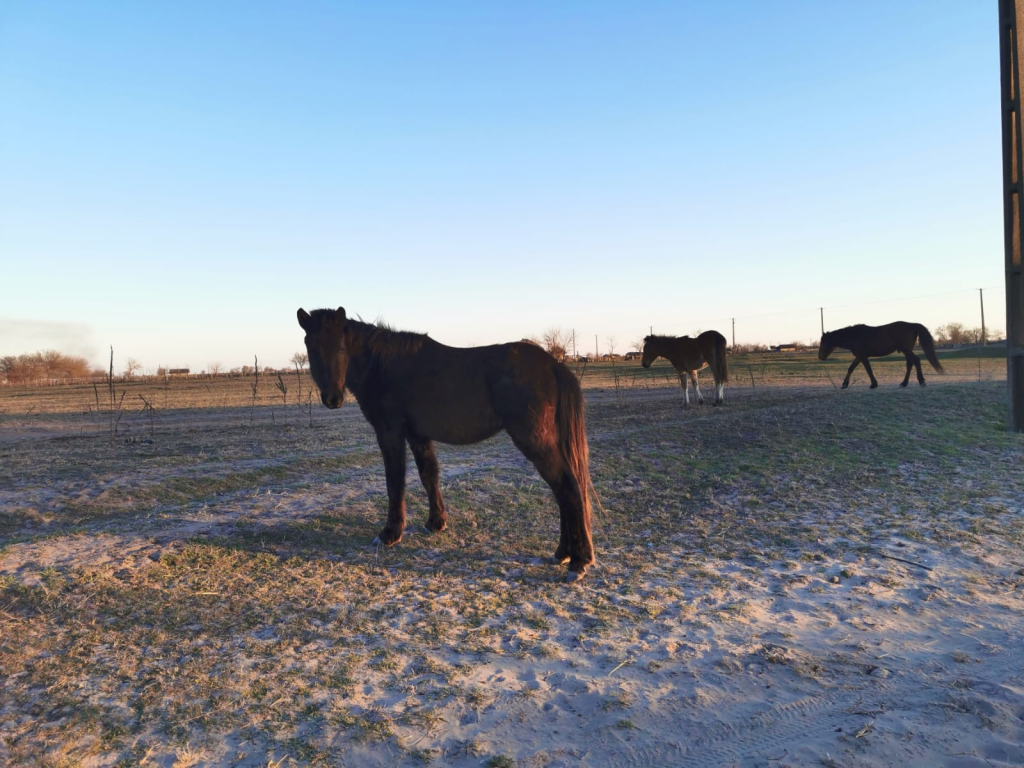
690,355
878,341
414,390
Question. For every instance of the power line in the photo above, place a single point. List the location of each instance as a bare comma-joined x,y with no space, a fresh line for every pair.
820,309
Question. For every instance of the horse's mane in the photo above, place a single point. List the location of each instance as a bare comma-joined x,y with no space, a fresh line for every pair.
662,337
379,339
384,342
842,333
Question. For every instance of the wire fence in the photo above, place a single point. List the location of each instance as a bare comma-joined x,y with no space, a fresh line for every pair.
970,309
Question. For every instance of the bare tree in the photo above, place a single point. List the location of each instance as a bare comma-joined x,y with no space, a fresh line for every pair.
951,333
131,367
976,336
742,348
214,368
556,342
637,345
48,364
300,360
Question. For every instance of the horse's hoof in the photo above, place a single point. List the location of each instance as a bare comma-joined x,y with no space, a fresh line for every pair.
573,576
560,560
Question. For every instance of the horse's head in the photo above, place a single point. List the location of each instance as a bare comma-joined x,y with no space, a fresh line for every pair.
826,346
328,358
649,355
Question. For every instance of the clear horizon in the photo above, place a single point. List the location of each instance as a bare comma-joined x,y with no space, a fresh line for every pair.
177,181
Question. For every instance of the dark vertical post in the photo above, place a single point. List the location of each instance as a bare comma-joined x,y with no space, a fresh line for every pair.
984,336
822,310
1010,11
734,333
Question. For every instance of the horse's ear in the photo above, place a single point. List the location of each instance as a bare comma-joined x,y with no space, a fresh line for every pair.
341,315
304,319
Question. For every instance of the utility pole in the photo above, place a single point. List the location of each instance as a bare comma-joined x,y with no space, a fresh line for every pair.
596,350
1011,40
652,330
734,333
573,343
822,310
984,338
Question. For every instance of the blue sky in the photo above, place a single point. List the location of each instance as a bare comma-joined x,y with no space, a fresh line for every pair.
177,179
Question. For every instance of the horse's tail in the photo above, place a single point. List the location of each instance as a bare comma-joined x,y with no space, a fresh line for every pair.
720,368
572,435
928,345
716,358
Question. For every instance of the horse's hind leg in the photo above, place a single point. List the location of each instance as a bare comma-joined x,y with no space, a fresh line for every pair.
871,374
719,392
574,540
696,388
913,361
392,446
426,464
910,365
917,364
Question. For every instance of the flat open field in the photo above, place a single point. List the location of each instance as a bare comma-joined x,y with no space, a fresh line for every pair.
804,576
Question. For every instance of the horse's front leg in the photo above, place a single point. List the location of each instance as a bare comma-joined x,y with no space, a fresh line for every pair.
392,446
426,464
686,390
849,372
696,388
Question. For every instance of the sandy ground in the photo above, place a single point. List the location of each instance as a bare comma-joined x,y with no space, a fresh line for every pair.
885,651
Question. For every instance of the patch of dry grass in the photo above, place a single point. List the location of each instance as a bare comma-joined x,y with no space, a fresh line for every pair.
240,613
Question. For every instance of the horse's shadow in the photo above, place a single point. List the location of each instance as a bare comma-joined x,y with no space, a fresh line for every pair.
349,539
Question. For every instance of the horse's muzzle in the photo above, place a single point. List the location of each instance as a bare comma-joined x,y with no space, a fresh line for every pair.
332,401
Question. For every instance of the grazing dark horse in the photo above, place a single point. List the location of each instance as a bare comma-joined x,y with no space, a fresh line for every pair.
414,390
878,341
690,355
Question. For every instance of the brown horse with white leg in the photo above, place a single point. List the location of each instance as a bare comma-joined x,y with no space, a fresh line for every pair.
414,390
878,341
689,356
